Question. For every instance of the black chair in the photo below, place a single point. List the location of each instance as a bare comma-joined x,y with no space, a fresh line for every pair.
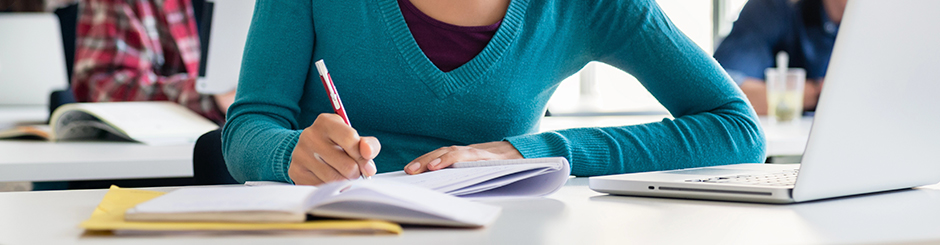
68,21
208,165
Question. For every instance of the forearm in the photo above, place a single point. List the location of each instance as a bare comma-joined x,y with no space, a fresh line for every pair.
725,135
257,148
714,123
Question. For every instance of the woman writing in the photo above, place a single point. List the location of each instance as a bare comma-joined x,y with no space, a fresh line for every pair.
433,82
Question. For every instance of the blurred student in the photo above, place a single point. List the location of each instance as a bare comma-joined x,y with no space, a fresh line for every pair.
142,50
805,29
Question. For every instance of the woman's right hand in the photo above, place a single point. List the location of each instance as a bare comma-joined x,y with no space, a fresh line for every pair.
329,151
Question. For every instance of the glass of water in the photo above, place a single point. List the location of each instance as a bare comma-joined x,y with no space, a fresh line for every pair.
785,94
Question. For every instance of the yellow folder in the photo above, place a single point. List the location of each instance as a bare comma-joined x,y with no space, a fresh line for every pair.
109,216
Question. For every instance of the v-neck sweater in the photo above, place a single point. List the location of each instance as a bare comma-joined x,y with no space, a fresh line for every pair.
393,92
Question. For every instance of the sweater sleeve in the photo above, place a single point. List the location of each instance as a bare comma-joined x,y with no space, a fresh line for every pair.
714,124
262,126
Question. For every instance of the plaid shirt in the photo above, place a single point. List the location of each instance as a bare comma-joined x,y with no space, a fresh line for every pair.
139,50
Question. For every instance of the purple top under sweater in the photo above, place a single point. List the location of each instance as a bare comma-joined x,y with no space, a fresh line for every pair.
447,46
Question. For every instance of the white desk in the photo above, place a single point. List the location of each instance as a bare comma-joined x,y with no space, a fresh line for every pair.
574,215
782,139
786,139
23,160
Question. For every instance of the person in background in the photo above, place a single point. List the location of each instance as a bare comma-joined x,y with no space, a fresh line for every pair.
805,29
141,50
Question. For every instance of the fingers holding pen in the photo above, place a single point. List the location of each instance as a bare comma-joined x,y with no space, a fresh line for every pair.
330,150
338,159
369,148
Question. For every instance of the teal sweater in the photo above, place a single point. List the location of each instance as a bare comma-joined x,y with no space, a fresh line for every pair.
393,92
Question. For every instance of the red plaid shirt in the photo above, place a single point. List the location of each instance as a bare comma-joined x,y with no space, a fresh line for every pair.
139,50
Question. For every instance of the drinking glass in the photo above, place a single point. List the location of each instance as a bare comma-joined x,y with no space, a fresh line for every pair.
785,94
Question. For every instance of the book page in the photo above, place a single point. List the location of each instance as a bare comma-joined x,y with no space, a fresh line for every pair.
88,129
398,202
67,126
469,178
229,199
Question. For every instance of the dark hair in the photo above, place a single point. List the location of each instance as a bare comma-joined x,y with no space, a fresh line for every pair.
22,5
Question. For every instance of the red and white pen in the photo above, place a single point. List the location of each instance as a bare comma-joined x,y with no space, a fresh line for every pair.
334,96
331,91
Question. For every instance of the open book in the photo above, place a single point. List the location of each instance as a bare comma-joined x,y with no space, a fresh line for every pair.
520,177
360,199
152,123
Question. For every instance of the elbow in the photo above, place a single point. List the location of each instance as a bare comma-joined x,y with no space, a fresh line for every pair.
743,133
752,145
228,154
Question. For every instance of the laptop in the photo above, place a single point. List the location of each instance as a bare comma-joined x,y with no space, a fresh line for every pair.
875,128
224,31
32,65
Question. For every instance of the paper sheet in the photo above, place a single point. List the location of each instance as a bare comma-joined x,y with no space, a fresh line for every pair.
524,177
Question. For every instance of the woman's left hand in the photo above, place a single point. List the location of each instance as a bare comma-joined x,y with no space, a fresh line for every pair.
445,156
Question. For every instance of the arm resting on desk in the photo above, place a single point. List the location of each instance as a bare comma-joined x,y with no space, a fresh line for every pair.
713,125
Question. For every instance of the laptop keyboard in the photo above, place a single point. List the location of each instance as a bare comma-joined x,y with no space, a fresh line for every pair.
785,178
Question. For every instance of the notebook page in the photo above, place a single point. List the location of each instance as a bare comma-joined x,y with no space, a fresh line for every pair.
538,184
500,181
398,202
153,123
449,179
230,199
544,161
466,178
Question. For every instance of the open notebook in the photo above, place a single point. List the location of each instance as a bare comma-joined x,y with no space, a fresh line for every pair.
363,199
426,199
520,177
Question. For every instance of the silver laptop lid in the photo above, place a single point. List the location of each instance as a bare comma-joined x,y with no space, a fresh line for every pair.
876,126
32,63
